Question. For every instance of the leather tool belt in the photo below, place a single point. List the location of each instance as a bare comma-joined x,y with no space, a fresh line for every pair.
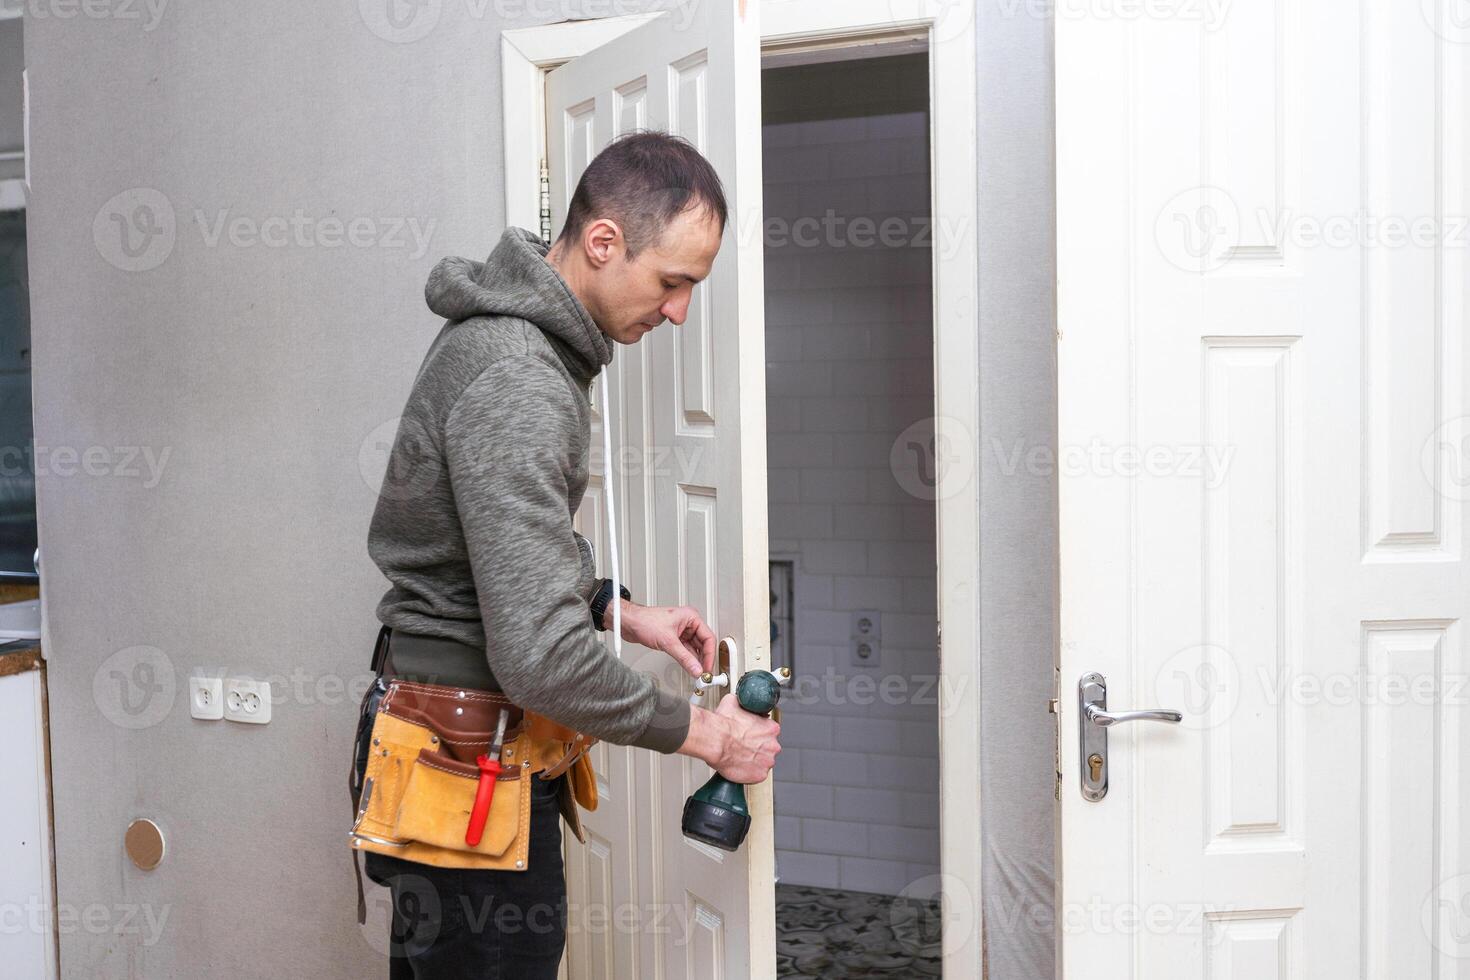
415,776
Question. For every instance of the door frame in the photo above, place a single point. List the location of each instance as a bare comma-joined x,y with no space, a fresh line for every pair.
528,54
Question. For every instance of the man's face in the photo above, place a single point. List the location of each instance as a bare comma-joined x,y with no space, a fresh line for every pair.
632,296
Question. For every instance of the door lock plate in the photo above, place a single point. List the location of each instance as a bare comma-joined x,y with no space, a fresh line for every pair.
1092,739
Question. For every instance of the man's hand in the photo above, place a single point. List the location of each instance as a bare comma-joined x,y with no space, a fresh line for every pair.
738,745
676,630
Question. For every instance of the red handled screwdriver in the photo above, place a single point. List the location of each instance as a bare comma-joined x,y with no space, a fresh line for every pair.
489,769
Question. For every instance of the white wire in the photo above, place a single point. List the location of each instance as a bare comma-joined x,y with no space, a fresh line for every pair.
612,523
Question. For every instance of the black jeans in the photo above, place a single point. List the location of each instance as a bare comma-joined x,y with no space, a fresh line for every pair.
452,923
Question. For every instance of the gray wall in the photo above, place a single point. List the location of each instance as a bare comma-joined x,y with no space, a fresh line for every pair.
1018,540
220,395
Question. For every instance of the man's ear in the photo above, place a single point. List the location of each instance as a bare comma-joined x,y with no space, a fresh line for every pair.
602,240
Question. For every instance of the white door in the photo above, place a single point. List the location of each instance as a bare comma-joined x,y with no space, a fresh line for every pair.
689,446
1261,368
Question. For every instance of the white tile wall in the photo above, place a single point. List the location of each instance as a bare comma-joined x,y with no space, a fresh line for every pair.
849,367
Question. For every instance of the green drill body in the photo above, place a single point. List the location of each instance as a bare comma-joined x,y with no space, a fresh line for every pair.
717,813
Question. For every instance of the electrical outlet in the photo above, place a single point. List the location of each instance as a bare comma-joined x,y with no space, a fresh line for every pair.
206,698
867,638
247,700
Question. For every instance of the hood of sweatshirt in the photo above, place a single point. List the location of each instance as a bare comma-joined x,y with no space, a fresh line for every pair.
516,280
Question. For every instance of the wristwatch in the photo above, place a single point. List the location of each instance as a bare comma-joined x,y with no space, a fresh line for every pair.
602,597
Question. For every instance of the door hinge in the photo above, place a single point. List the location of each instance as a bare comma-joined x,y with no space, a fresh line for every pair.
545,202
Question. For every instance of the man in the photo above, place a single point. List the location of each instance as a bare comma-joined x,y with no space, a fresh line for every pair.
490,584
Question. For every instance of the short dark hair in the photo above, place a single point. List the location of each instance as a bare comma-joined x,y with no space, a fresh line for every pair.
643,180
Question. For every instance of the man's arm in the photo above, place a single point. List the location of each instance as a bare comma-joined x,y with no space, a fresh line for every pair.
507,442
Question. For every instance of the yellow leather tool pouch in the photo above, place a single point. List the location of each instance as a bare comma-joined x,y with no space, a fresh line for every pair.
420,779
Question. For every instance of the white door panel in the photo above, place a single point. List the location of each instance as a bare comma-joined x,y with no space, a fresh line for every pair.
689,443
1262,374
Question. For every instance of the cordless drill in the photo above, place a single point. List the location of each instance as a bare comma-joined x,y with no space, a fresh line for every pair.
716,814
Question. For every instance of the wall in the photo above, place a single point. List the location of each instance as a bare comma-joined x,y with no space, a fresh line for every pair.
1018,538
239,394
234,393
849,350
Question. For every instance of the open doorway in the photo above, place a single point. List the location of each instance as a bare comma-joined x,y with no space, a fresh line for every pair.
569,88
850,427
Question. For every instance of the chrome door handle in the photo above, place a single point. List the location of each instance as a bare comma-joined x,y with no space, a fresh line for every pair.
1107,719
1094,720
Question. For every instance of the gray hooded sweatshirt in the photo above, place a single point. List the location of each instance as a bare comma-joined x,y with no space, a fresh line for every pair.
473,525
